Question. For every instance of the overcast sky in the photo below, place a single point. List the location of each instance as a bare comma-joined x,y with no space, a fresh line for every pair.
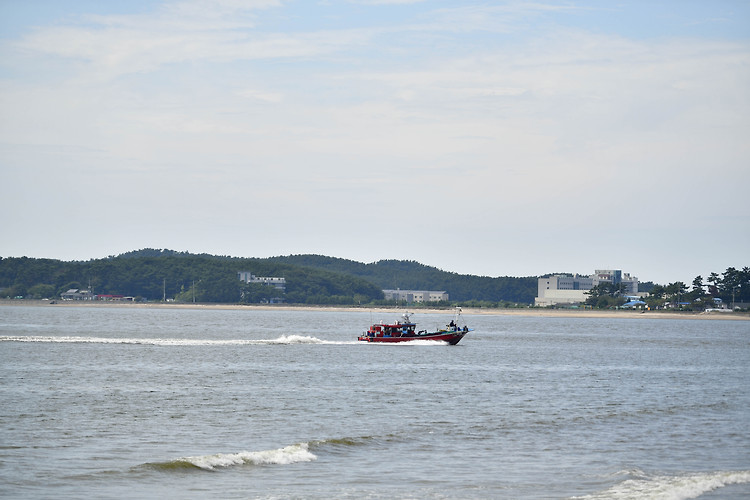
497,138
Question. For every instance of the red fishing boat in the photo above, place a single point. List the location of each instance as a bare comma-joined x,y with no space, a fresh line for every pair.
405,331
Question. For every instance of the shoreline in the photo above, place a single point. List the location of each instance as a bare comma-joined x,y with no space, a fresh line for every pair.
531,312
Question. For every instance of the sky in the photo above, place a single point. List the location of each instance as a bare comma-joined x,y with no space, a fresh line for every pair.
494,138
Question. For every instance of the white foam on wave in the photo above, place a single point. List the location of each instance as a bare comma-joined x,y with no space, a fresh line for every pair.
282,456
680,487
282,340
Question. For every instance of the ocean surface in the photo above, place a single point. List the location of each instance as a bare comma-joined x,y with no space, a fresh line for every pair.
127,402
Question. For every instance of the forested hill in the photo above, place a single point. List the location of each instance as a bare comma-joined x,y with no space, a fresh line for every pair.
410,275
154,274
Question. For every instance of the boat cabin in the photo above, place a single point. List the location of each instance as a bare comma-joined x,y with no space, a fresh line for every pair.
397,330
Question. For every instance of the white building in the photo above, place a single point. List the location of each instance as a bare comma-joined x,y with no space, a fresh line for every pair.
248,277
76,294
415,295
572,289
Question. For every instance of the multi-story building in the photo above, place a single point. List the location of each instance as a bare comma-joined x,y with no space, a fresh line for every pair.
248,277
561,289
415,295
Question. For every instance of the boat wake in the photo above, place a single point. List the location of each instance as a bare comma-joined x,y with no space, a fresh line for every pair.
282,340
417,343
680,487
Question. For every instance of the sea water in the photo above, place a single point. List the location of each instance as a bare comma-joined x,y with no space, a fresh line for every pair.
108,402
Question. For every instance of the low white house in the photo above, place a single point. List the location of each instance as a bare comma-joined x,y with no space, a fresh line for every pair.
76,294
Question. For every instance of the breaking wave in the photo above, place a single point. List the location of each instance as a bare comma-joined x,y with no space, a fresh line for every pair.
282,456
292,454
282,340
680,487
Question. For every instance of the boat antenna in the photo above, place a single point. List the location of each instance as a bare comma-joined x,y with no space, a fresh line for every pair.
458,314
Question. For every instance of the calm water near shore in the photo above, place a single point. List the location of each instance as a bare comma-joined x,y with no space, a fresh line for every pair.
109,402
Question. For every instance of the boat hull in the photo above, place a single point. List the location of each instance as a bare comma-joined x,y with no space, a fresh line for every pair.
451,338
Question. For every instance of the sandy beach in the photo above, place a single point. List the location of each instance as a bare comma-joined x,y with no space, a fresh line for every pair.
538,312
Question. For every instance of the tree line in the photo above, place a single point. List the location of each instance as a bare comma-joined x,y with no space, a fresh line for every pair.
154,274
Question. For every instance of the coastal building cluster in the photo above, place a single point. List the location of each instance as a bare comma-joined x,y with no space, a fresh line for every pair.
79,294
415,295
566,289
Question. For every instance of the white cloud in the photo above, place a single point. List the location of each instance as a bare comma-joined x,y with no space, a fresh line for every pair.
260,95
306,129
181,32
385,2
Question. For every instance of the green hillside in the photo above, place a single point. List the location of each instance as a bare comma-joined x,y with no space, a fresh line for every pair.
153,274
410,275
